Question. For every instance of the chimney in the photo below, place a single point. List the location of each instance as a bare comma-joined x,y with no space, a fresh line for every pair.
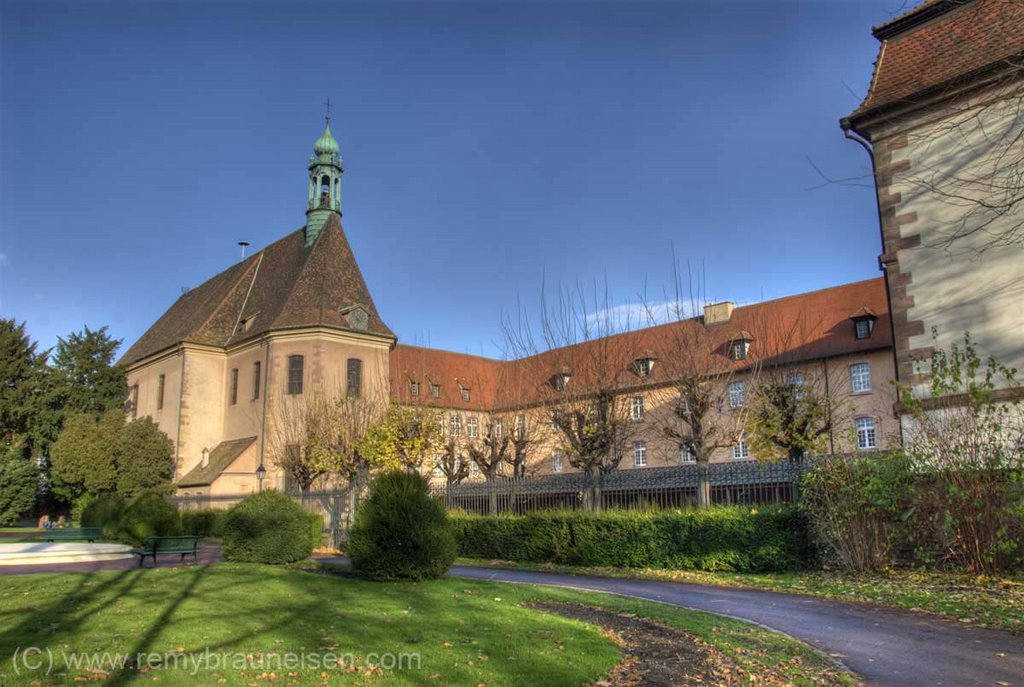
718,313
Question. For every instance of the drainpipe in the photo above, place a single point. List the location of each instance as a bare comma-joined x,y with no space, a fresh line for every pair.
850,133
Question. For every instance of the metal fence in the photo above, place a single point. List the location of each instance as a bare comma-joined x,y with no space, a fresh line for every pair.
332,505
747,482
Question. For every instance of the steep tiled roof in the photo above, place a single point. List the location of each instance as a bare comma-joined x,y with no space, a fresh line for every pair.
287,284
805,327
220,458
939,42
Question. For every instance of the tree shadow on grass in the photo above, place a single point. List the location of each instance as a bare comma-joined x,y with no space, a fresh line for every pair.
265,612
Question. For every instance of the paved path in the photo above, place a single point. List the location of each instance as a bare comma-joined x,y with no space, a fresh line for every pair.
886,647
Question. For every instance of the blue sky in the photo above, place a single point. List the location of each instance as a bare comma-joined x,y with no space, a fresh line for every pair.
487,145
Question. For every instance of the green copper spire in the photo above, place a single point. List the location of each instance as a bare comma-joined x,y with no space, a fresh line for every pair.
325,170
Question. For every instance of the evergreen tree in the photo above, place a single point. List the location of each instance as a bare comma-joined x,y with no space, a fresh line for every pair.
26,403
84,365
19,480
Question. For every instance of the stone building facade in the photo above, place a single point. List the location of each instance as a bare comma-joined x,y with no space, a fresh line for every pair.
944,121
223,370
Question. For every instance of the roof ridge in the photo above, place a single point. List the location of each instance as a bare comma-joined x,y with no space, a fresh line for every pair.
446,351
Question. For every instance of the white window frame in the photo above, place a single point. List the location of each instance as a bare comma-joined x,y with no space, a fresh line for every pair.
414,388
498,428
465,395
455,425
472,427
639,453
737,394
686,456
797,380
741,451
636,408
860,378
867,433
556,461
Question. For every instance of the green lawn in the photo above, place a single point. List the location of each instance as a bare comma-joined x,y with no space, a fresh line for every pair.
465,633
979,600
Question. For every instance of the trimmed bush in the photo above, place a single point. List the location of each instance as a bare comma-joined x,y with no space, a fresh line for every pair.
715,539
103,511
148,515
269,528
203,523
399,532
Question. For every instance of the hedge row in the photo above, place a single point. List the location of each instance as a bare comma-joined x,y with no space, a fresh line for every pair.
715,539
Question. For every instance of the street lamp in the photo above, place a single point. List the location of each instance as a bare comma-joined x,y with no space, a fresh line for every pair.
261,473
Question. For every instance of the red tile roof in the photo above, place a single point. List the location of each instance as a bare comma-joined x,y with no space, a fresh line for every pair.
787,330
939,42
285,285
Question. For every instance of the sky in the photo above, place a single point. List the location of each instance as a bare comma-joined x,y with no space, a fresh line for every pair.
490,147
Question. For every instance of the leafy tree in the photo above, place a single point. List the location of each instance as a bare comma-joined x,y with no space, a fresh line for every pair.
26,416
144,457
787,416
19,479
84,366
402,439
83,459
96,455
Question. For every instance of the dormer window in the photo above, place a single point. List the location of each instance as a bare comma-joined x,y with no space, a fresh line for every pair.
435,390
414,388
465,394
740,346
863,323
356,317
560,379
644,366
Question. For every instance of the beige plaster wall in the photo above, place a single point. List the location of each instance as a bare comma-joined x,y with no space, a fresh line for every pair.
969,285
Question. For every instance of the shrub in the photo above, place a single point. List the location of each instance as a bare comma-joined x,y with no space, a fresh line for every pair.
722,538
970,455
148,515
269,528
855,507
104,511
399,532
203,523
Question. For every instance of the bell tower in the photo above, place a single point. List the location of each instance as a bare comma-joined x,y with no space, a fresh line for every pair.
325,170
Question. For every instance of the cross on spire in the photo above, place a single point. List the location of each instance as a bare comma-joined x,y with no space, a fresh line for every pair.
328,117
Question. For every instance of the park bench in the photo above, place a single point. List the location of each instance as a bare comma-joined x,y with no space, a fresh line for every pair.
71,534
186,546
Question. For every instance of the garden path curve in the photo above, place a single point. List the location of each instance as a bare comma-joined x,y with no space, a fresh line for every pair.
884,646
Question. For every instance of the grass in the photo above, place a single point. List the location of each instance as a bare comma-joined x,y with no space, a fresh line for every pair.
978,600
464,632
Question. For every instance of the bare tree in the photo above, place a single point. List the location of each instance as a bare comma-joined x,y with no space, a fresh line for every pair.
452,462
581,368
694,359
317,435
